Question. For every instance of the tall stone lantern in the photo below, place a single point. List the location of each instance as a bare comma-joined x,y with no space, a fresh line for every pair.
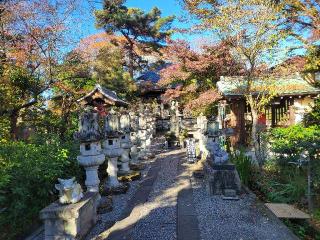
134,123
125,142
113,151
91,156
95,104
142,135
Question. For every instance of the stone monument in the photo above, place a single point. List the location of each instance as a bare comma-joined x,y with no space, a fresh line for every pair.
222,176
125,143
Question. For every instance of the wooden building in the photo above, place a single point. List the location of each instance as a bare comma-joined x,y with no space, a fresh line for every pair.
293,98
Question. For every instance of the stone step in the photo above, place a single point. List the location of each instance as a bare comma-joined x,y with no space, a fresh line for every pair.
230,194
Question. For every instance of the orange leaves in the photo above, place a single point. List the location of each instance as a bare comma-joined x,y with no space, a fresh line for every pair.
172,74
206,98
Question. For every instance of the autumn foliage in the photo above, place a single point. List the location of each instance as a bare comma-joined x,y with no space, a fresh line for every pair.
193,74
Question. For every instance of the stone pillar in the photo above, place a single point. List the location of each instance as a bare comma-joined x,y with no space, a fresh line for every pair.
113,151
112,171
201,135
134,147
125,159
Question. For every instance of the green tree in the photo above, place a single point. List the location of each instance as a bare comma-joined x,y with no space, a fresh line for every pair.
146,31
251,29
109,72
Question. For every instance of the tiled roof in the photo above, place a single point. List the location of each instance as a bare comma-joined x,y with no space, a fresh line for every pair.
105,94
152,76
288,85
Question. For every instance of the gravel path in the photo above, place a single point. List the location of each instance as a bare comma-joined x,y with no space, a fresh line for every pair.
154,218
169,204
244,219
177,207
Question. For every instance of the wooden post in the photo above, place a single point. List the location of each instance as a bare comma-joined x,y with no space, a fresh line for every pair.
238,122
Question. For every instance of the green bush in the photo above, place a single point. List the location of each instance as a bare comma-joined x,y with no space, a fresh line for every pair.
27,176
313,117
288,143
243,164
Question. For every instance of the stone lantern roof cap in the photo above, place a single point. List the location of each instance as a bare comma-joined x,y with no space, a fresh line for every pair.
103,94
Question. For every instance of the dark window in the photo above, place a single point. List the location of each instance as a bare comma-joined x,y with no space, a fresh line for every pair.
87,147
110,142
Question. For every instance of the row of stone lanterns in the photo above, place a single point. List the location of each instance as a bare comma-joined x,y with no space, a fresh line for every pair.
126,137
121,140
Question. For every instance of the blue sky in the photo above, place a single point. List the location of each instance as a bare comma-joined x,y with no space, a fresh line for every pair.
86,27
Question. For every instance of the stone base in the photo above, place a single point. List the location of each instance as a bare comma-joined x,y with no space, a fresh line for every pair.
137,166
132,176
121,189
198,174
124,173
221,178
151,155
71,221
105,205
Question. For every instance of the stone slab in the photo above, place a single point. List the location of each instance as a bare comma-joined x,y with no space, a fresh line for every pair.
283,210
71,221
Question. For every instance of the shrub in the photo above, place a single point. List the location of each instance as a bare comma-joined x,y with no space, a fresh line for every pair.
289,143
27,176
243,164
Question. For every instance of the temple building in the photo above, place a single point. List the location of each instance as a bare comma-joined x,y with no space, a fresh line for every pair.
294,96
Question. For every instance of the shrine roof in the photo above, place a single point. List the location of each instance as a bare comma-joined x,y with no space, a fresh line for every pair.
109,97
282,86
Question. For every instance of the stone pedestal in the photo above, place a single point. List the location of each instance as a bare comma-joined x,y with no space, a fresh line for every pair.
91,164
125,159
221,178
112,171
71,221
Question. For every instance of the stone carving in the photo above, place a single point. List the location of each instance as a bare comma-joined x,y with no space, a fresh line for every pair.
69,191
112,122
219,156
88,126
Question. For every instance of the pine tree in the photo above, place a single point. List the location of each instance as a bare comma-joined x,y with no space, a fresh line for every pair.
147,31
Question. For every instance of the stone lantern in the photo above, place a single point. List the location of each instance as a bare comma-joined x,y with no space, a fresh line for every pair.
125,142
134,126
91,156
142,135
98,100
201,135
150,131
112,150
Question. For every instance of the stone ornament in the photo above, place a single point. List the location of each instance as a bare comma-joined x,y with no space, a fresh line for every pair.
69,191
88,126
219,156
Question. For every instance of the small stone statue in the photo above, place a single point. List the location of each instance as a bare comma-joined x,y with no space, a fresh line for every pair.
69,191
219,155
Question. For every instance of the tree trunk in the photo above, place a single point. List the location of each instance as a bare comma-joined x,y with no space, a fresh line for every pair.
255,135
309,192
13,125
131,64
